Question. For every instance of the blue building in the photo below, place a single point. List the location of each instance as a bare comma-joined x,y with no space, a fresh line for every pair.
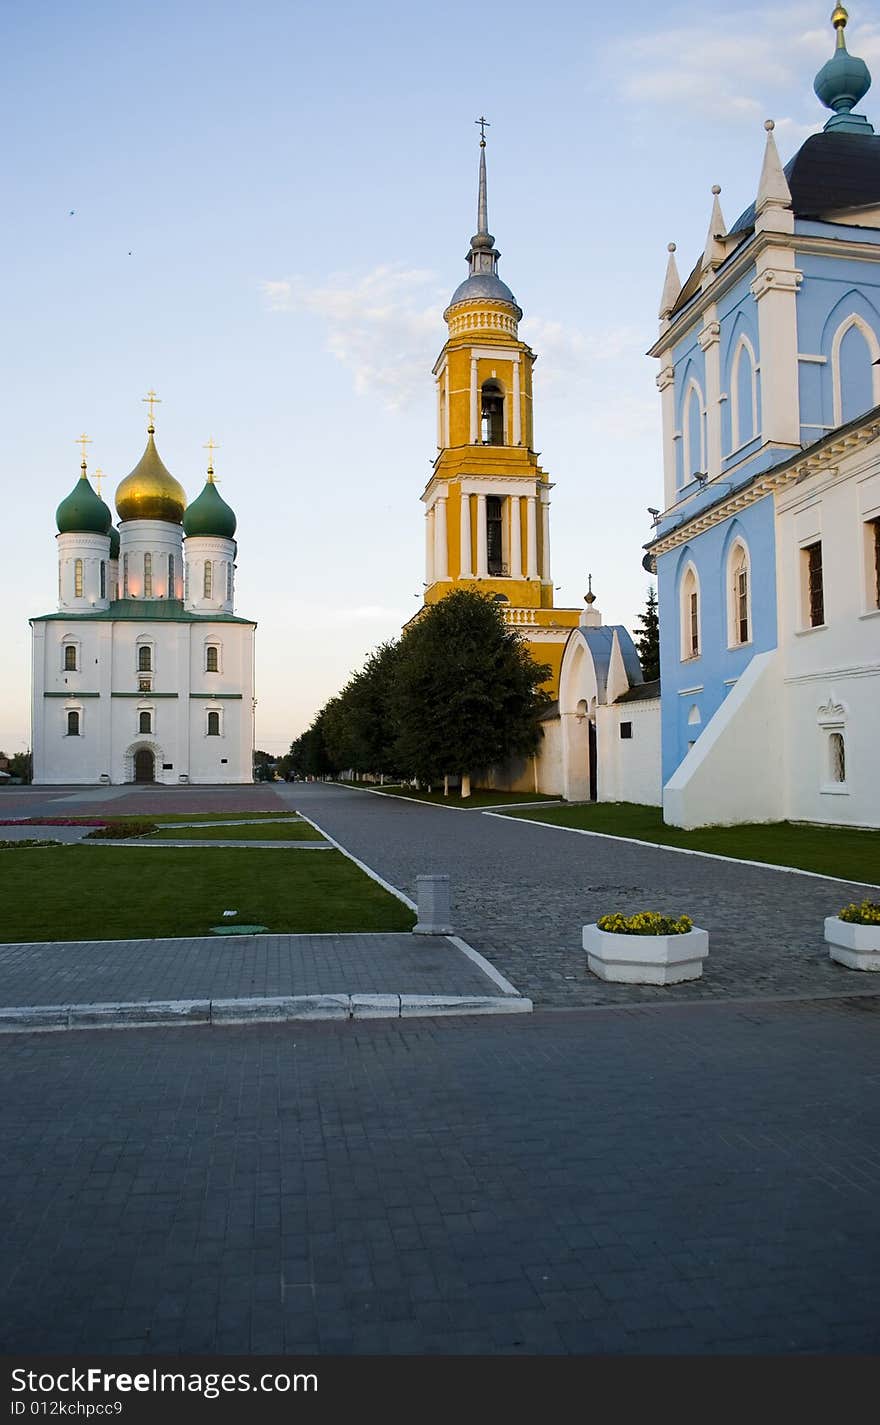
767,551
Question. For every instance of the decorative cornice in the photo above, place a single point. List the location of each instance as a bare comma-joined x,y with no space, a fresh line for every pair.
776,279
665,377
831,711
710,335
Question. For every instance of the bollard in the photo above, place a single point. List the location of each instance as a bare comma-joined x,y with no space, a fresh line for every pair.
432,894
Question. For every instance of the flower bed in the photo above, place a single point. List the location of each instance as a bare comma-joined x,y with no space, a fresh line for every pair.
27,842
853,936
121,830
646,922
645,949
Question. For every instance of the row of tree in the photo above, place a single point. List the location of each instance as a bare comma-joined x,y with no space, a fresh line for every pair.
458,693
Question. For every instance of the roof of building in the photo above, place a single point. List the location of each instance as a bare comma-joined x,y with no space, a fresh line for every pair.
600,642
151,492
83,511
641,692
145,611
209,515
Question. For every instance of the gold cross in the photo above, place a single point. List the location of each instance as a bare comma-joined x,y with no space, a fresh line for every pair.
151,400
98,477
484,125
211,445
83,440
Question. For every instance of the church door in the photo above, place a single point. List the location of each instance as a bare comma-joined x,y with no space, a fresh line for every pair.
144,765
594,782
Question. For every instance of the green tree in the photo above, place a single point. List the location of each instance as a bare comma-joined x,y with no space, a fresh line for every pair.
308,754
648,638
466,691
21,766
264,766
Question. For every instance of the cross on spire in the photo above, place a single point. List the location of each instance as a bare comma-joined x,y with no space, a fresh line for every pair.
151,400
83,440
484,125
98,477
211,445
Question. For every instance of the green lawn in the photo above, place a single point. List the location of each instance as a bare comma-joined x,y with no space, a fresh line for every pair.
833,851
114,892
180,816
477,799
287,831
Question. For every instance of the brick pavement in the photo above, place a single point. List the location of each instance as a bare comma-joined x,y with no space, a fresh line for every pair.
233,967
522,892
696,1178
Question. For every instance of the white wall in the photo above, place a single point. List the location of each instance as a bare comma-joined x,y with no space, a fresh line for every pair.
629,768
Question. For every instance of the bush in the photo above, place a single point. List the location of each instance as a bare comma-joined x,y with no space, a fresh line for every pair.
646,922
868,913
121,830
28,841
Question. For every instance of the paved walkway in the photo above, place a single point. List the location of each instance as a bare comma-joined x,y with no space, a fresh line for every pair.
522,893
688,1179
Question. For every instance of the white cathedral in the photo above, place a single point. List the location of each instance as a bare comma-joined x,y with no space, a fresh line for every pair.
145,673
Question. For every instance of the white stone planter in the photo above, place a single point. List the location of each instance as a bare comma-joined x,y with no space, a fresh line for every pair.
856,946
646,959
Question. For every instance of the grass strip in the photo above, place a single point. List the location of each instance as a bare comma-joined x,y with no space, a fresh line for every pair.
477,799
836,851
289,831
113,893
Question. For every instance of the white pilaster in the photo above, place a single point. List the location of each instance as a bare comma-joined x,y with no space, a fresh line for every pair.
482,544
465,538
441,549
666,387
517,412
475,410
446,410
532,538
439,414
515,538
545,540
710,344
775,290
429,546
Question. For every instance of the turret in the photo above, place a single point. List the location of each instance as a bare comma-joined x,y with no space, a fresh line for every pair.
83,540
150,505
210,524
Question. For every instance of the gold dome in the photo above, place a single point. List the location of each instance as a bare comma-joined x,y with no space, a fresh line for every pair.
151,492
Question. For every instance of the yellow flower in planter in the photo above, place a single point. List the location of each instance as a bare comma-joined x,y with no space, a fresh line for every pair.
645,922
868,913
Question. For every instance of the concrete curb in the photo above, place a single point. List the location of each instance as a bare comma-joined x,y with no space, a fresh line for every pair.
32,1019
421,802
222,845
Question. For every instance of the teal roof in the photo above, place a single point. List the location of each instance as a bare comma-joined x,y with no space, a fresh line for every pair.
146,611
842,82
209,514
83,511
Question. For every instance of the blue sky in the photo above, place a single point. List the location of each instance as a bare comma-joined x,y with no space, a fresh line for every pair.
270,208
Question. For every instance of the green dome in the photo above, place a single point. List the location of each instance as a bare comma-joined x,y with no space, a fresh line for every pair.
83,512
114,542
209,515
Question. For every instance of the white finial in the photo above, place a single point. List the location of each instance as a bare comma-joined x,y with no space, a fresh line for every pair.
716,189
671,286
773,190
714,252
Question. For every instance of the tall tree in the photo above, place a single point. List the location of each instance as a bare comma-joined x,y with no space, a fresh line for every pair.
648,638
466,692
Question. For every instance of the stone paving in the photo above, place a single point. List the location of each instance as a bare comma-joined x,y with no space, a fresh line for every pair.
234,967
691,1179
523,891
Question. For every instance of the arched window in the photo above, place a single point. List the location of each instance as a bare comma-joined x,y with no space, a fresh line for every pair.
739,599
744,394
213,724
78,578
103,579
186,582
145,658
148,576
145,722
836,757
125,576
694,443
690,615
229,582
170,593
495,537
73,724
212,658
209,578
492,414
854,350
70,658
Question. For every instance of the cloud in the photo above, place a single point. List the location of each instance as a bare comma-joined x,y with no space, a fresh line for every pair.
737,64
384,326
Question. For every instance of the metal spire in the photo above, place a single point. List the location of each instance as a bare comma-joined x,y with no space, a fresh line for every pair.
482,201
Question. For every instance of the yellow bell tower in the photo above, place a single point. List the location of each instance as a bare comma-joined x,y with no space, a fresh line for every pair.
487,503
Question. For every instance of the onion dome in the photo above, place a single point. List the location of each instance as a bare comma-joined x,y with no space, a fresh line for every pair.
114,542
483,283
842,82
151,492
209,515
83,511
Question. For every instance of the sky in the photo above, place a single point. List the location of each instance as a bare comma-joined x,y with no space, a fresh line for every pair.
261,211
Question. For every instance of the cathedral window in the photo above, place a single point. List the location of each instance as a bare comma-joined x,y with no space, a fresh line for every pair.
229,581
77,578
145,722
492,414
103,579
836,757
738,596
212,658
145,658
854,350
148,576
495,536
209,579
170,594
744,395
73,724
872,562
690,615
125,576
70,658
213,724
694,437
813,585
